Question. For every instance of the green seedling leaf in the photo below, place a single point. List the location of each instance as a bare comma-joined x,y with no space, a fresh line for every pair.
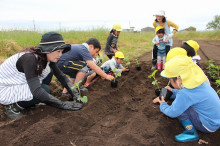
83,99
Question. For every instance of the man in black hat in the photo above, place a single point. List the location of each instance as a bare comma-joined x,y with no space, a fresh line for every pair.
74,63
24,77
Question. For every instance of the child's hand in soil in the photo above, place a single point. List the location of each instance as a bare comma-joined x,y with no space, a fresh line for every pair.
168,88
157,100
125,69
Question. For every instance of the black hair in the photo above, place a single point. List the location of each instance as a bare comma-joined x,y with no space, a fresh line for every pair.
41,59
190,51
164,19
161,31
95,42
174,79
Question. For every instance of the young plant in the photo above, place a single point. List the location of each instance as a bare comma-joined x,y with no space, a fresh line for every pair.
218,85
83,99
137,62
99,60
127,61
155,82
116,74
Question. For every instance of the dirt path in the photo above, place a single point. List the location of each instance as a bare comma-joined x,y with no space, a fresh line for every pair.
121,116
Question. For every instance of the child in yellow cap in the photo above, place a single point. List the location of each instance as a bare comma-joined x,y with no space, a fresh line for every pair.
111,44
160,41
108,66
192,47
196,105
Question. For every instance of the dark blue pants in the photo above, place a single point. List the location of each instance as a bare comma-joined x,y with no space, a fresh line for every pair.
191,114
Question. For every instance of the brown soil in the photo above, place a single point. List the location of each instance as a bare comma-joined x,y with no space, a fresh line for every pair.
113,116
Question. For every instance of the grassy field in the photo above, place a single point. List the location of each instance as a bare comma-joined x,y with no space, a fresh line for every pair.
132,44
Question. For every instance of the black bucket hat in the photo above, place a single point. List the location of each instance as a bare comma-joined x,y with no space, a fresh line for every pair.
52,41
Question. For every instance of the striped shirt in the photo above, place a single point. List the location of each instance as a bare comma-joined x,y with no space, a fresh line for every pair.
13,84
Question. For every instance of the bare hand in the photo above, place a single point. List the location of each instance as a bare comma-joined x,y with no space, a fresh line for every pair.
157,100
168,88
109,77
156,43
125,69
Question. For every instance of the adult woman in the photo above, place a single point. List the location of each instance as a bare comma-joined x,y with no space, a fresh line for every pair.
162,21
23,77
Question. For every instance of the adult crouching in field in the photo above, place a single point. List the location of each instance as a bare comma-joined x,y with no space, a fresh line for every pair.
166,24
74,62
23,77
111,44
196,105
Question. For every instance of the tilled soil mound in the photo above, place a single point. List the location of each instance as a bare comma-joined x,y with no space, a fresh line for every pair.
113,116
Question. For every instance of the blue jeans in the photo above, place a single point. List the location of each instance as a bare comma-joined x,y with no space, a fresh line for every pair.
191,114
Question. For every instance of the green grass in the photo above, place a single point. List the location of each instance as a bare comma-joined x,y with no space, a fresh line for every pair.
131,44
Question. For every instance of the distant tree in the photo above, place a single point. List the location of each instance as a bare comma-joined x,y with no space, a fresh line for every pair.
215,24
191,28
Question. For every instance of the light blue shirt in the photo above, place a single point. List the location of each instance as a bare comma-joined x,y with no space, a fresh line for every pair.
204,101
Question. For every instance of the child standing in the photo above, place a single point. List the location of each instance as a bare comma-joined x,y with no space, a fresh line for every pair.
111,44
160,41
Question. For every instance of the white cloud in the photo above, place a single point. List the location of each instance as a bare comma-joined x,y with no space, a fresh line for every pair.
104,13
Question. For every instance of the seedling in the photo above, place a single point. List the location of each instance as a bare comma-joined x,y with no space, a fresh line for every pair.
100,59
218,85
155,80
116,74
83,99
137,62
127,61
213,70
138,67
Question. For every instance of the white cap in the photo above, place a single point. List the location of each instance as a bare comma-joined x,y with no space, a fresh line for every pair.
160,13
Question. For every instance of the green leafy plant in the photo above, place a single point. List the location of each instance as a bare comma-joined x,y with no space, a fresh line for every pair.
100,59
155,82
83,99
213,70
218,85
137,62
116,74
127,61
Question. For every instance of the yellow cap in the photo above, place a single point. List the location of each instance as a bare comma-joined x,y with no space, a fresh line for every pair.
158,28
174,52
194,45
117,27
191,74
119,54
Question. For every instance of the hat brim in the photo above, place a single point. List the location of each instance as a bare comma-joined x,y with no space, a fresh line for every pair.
163,74
48,48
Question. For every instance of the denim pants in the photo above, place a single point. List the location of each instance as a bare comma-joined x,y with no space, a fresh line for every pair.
191,114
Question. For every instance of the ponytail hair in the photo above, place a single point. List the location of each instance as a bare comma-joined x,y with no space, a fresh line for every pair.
41,59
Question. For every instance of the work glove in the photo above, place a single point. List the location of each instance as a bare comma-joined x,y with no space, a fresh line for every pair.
74,93
67,105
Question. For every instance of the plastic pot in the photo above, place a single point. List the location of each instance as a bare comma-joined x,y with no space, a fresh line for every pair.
138,67
165,93
114,83
157,92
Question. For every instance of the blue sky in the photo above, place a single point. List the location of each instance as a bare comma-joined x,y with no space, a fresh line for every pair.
89,14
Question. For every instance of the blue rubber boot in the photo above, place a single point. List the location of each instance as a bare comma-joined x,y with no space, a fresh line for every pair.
189,134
